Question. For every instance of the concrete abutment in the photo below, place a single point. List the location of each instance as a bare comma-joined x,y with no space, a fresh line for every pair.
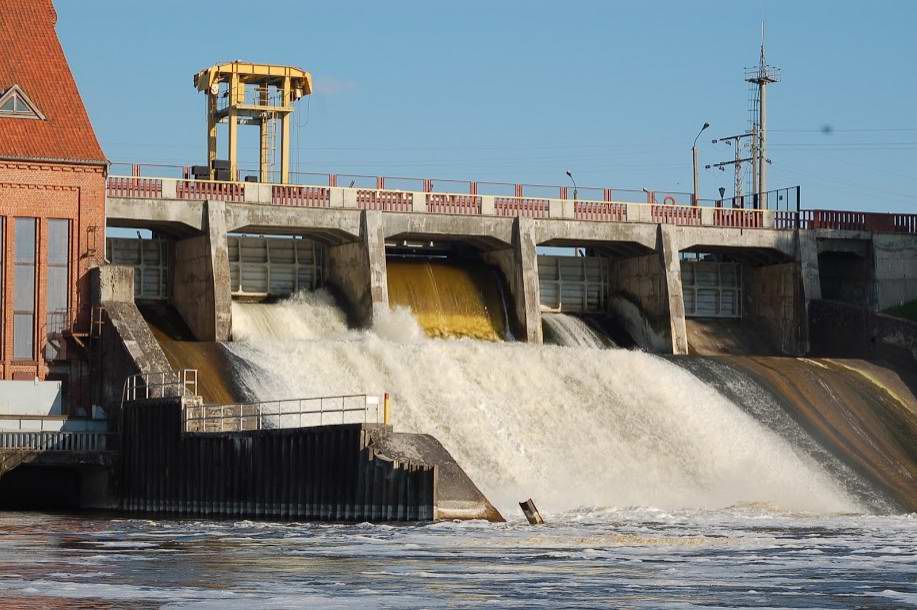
357,272
519,266
201,278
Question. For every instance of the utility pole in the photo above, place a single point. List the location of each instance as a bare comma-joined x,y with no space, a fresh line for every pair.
696,164
737,162
759,78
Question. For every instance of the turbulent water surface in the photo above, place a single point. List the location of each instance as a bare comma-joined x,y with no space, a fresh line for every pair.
662,485
567,426
749,556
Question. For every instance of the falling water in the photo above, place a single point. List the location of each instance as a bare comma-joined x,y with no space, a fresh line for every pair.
570,426
571,331
449,300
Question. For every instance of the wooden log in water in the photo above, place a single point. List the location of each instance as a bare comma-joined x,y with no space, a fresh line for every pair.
531,512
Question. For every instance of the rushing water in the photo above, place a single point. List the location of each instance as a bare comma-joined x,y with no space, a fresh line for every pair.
450,300
658,490
569,427
747,557
571,331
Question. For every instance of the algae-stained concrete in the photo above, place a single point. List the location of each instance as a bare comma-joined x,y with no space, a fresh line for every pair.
215,365
862,412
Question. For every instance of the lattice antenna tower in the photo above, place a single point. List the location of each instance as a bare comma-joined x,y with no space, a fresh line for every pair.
758,78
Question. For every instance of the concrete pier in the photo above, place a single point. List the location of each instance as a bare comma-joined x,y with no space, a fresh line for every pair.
356,270
519,266
200,278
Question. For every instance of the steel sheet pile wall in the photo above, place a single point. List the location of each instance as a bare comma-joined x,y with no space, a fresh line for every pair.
325,473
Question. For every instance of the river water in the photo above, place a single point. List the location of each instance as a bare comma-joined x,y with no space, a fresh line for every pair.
748,509
750,556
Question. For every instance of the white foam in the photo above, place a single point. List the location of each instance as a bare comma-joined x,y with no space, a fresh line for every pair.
567,426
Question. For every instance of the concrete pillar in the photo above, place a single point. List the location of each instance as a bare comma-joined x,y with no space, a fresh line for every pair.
200,280
807,256
647,295
809,283
519,265
668,251
357,270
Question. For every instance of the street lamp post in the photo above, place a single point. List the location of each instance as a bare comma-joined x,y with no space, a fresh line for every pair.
696,162
569,175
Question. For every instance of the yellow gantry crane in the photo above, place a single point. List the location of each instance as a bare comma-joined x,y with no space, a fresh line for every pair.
241,93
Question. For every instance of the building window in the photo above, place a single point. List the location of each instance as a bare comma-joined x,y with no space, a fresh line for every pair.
58,283
15,103
24,290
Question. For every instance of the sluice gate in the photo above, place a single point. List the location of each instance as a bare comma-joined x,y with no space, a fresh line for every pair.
712,289
573,284
272,266
149,259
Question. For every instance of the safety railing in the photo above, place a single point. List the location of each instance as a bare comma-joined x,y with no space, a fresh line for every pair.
291,413
466,205
777,209
387,201
54,441
875,222
522,206
210,190
133,179
130,186
300,196
603,211
161,384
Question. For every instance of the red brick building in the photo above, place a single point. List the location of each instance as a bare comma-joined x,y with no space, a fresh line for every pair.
52,204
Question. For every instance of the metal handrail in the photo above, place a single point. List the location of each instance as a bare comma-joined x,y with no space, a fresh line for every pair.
142,383
258,416
331,179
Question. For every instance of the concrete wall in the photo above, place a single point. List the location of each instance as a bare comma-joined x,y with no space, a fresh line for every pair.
895,269
807,255
126,346
773,301
201,281
356,270
519,265
842,330
847,277
652,284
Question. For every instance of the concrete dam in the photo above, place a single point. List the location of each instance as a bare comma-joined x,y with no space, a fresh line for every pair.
510,364
585,353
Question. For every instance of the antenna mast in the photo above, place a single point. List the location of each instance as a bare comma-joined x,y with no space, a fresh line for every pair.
759,78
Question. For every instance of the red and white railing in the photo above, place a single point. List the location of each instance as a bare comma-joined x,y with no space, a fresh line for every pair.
779,209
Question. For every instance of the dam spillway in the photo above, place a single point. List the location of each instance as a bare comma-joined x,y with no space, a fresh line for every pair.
633,428
449,300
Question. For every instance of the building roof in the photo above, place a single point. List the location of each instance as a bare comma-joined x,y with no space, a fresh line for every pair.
31,58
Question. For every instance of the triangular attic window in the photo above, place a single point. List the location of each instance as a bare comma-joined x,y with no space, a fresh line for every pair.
15,103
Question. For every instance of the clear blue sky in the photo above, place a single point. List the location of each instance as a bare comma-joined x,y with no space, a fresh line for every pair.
522,91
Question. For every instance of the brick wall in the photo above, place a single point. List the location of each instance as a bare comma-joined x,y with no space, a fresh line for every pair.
49,191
